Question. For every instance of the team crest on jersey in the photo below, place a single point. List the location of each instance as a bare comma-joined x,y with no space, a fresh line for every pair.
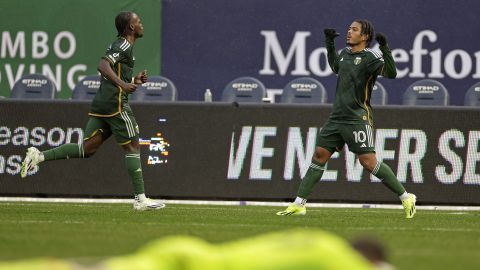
357,60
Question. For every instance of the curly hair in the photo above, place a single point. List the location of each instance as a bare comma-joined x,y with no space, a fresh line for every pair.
367,29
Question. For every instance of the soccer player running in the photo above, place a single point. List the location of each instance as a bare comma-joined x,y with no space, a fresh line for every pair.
351,119
110,112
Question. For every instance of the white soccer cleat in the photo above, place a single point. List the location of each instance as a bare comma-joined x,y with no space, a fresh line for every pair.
147,204
32,158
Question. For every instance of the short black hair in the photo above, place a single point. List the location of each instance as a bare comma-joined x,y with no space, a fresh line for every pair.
122,20
367,29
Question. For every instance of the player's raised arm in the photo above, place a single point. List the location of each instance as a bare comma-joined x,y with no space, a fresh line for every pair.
389,70
330,35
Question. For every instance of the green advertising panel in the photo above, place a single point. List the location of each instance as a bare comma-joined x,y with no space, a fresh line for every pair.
65,39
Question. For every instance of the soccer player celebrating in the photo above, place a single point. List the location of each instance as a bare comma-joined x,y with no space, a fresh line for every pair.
110,112
351,119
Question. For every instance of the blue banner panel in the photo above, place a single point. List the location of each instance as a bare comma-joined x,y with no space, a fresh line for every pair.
208,43
247,152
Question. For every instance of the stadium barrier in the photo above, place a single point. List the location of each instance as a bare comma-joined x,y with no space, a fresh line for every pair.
224,151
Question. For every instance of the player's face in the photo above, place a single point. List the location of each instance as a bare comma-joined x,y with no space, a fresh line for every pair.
354,34
137,26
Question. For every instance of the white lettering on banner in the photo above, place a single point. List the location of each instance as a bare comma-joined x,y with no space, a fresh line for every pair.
411,159
12,79
40,49
63,45
56,136
20,137
412,145
39,41
477,60
418,51
55,77
72,44
71,74
235,163
295,148
449,155
12,48
471,176
259,152
37,136
465,67
11,165
298,50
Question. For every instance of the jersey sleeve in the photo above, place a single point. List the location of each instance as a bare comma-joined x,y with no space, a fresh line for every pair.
375,63
332,56
382,63
114,54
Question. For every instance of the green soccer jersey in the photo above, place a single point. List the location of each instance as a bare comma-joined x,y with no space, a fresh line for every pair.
110,100
357,73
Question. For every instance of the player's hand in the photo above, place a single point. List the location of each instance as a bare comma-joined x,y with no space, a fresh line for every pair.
141,77
330,33
381,39
129,87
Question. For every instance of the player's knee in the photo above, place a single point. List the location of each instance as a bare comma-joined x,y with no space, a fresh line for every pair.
368,163
321,156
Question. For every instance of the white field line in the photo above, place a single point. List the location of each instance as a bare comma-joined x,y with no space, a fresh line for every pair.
253,203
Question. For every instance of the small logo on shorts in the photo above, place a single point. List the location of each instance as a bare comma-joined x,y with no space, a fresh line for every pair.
137,129
363,145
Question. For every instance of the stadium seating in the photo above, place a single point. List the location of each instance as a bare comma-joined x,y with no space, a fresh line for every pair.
472,96
426,92
157,88
33,86
304,90
86,88
244,89
379,95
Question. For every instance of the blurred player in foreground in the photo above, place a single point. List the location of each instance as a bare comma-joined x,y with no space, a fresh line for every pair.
288,250
351,119
110,112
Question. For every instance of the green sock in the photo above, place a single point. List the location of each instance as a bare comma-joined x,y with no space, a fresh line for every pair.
313,175
66,151
384,173
134,167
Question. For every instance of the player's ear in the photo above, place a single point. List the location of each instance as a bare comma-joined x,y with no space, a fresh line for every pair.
132,27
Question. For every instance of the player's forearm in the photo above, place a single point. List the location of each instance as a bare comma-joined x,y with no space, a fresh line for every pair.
389,68
106,70
332,55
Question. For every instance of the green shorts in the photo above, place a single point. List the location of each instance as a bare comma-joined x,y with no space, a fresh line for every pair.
123,126
359,137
